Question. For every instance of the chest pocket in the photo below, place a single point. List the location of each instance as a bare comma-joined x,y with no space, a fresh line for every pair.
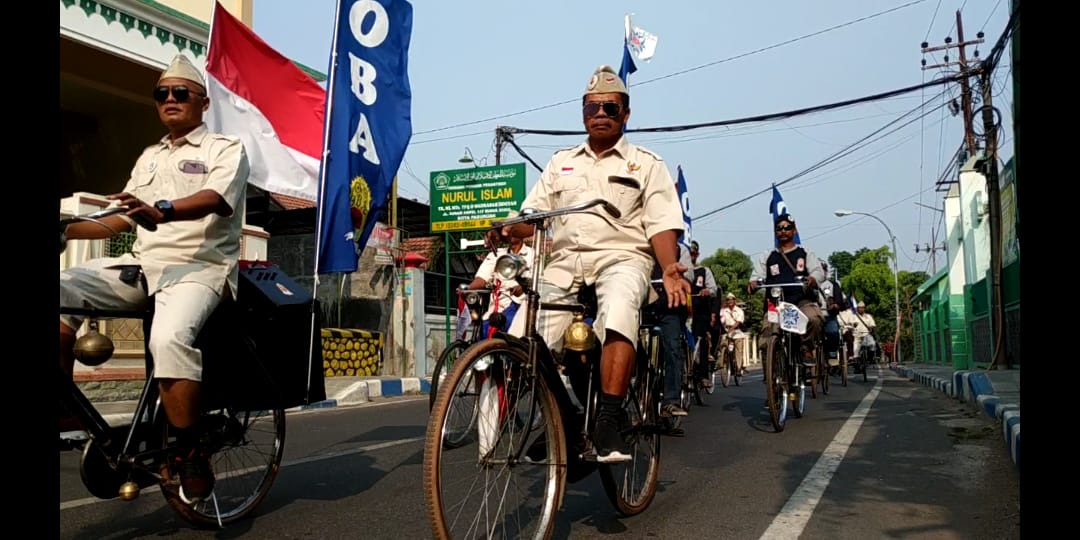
569,190
188,175
625,193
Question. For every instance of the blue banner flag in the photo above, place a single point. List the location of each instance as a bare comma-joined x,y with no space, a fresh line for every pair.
368,126
684,200
779,208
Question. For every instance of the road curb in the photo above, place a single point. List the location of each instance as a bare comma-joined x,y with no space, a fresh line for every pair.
366,390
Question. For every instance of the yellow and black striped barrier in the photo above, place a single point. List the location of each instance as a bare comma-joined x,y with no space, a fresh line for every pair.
348,353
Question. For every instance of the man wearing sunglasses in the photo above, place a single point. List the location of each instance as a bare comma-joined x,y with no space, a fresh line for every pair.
614,254
186,193
787,263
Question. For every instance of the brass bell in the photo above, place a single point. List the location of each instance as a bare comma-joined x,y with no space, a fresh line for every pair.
129,491
579,336
93,348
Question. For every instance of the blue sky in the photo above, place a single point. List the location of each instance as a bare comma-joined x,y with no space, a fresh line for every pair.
484,58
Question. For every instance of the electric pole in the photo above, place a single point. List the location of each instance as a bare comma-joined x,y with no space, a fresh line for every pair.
932,250
933,240
966,103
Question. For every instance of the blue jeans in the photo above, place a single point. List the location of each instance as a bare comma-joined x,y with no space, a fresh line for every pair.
832,334
672,332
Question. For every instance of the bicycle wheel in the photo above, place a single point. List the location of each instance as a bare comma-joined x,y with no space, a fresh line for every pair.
631,486
823,370
235,442
519,432
689,386
711,368
733,368
843,366
442,367
700,367
776,396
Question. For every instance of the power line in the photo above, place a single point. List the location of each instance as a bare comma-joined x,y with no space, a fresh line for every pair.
821,163
662,77
758,118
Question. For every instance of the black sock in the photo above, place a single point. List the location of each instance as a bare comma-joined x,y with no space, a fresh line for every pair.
610,405
187,439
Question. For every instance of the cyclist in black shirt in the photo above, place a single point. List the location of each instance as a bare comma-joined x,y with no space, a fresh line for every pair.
785,264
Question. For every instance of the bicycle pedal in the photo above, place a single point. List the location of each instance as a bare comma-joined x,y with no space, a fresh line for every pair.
588,455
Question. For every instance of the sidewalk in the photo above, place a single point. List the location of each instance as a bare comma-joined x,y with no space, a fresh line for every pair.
114,389
996,393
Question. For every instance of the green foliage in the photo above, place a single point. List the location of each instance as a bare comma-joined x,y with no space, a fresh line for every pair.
732,269
841,262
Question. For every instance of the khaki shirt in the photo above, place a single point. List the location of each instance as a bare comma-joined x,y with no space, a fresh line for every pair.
206,250
583,244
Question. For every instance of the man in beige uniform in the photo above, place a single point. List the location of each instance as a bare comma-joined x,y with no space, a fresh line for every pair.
615,254
191,184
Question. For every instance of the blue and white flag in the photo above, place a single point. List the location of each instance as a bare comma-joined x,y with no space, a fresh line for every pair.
641,41
779,208
684,201
368,126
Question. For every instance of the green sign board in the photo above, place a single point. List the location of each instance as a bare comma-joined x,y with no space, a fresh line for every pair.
469,199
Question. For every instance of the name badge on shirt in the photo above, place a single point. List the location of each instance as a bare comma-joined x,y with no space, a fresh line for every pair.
190,166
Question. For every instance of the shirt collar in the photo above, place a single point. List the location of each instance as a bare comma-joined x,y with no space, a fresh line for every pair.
194,137
622,148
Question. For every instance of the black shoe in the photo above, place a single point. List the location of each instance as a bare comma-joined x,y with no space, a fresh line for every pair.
610,445
196,476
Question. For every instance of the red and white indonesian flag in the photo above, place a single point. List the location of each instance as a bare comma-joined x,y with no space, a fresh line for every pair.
275,108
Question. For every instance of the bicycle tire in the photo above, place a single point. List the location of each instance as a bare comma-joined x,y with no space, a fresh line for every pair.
823,369
442,365
776,396
843,366
210,514
433,444
648,393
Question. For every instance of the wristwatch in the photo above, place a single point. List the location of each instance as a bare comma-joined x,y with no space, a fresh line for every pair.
167,210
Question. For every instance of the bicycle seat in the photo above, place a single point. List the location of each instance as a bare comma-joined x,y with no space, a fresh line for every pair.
587,297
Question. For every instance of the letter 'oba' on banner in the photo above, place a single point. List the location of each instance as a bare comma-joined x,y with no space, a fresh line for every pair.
368,126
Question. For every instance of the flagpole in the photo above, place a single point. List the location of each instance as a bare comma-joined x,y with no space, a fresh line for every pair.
322,186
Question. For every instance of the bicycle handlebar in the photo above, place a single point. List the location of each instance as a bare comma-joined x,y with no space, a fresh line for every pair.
531,216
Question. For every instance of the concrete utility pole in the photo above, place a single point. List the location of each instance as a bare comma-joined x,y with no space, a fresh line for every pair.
965,86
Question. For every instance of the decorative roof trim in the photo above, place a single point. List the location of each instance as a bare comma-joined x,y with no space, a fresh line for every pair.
152,18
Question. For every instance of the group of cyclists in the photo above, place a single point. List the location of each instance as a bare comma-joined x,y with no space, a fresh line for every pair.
185,194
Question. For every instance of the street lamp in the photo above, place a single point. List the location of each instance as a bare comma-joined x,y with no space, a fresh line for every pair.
896,275
468,158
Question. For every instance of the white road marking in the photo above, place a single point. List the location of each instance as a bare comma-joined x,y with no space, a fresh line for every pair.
795,514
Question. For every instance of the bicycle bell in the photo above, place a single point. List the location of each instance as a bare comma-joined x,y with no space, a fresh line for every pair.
93,348
579,336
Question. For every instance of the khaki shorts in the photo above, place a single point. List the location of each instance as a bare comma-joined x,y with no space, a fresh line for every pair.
621,291
180,310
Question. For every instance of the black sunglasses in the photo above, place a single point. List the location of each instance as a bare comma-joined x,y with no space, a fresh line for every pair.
610,108
784,228
180,92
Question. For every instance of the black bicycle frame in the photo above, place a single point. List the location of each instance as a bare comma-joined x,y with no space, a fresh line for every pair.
100,432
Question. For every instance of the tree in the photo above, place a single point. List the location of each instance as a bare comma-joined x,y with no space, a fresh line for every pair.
841,262
732,269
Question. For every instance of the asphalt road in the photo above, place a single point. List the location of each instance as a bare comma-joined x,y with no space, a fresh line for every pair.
881,459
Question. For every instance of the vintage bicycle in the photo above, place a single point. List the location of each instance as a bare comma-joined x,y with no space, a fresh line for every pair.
785,376
245,394
536,416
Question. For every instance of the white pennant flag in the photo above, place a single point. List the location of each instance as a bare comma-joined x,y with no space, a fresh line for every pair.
640,41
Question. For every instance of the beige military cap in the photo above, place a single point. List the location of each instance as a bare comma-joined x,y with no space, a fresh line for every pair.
605,80
182,68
